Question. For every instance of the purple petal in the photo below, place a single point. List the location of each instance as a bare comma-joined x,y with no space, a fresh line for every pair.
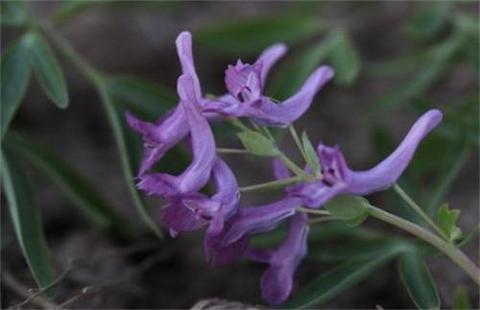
280,170
177,217
160,137
252,220
218,255
203,145
227,192
243,81
185,55
267,112
389,170
268,58
277,281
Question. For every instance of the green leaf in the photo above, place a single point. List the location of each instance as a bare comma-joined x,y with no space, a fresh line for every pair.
311,154
461,301
125,140
47,70
14,13
72,183
294,72
141,96
418,281
26,221
344,59
69,8
357,249
348,208
429,20
424,79
253,35
257,144
339,279
15,74
447,221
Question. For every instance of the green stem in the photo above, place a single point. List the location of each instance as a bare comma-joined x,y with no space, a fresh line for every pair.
295,137
312,211
294,168
419,210
232,151
271,185
457,256
238,123
97,80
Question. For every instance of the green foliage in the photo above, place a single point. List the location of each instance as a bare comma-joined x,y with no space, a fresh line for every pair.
47,70
14,13
127,144
257,144
447,221
250,36
141,96
352,209
418,281
429,20
26,220
311,154
15,74
344,58
461,300
72,183
339,279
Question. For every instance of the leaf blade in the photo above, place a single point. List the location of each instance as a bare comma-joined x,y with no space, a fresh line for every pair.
47,70
73,184
418,281
26,221
257,144
15,74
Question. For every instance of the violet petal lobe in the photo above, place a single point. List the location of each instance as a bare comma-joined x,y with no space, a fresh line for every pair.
203,145
159,137
277,281
185,55
253,220
267,112
177,217
391,168
268,58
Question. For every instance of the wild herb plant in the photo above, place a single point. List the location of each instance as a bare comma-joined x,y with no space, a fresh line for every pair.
322,196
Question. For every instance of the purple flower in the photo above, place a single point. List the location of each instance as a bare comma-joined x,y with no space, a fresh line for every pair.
230,244
192,211
338,178
277,281
246,82
161,136
203,144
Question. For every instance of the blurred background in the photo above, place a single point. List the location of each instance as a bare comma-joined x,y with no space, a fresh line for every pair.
394,60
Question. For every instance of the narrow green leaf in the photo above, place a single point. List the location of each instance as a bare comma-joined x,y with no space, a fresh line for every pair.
141,96
357,249
347,207
15,74
339,279
125,140
14,13
26,221
257,144
461,300
431,71
429,20
255,34
447,221
72,183
47,70
344,59
311,154
418,281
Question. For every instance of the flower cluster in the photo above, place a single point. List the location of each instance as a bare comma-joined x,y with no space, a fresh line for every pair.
230,224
